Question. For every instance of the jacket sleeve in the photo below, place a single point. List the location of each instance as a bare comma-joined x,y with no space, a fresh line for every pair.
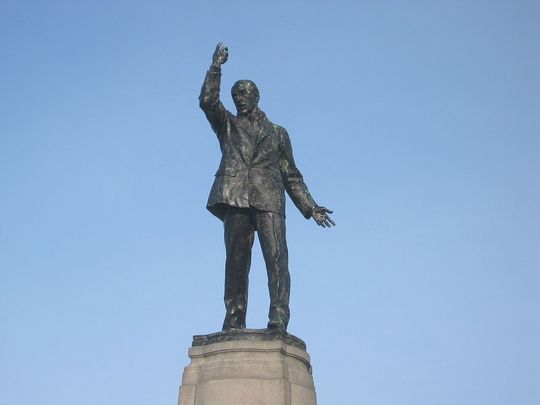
209,101
292,178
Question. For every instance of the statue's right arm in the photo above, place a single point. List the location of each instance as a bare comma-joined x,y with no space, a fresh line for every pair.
209,98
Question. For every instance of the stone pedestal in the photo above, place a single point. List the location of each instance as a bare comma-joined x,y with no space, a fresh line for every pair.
248,367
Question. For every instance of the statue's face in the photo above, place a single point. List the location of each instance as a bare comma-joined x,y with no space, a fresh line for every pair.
245,96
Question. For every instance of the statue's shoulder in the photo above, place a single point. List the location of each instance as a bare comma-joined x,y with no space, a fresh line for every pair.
279,128
276,128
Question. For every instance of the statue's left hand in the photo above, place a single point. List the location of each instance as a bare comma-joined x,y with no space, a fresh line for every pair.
320,215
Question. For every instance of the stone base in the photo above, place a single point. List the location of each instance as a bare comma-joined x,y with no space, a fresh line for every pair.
248,367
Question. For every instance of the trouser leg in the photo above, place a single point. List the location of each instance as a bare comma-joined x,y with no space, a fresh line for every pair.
239,233
271,230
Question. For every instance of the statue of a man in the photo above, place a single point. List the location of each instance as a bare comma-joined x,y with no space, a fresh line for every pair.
248,194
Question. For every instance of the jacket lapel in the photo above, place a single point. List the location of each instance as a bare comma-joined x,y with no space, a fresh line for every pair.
248,130
265,130
251,137
245,143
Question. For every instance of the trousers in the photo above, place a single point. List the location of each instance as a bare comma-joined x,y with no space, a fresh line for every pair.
240,225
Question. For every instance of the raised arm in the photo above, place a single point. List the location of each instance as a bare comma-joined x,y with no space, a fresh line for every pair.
297,189
209,97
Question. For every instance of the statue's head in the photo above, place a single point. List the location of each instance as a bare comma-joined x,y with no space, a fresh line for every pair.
245,95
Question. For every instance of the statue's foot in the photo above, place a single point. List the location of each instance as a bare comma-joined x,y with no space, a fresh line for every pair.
227,328
277,325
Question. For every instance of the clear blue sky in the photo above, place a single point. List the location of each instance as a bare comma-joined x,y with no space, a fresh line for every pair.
417,122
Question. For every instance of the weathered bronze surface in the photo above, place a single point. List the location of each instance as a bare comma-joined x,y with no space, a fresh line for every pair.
248,194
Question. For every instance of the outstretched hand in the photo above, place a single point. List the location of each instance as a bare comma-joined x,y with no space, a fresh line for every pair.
220,55
320,215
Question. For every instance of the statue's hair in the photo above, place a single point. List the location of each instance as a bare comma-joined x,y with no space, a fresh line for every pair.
248,83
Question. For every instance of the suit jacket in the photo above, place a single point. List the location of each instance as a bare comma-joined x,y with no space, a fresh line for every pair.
257,163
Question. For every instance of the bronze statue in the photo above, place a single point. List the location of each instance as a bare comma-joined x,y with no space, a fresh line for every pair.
248,194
